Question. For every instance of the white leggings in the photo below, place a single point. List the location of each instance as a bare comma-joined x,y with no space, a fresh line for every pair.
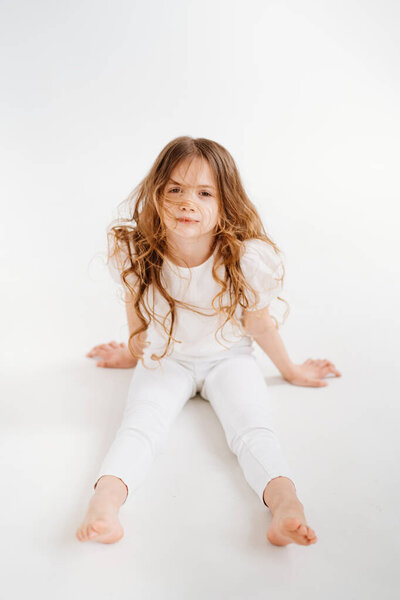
236,389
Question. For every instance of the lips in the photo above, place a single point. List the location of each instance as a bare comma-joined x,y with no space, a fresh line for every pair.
185,220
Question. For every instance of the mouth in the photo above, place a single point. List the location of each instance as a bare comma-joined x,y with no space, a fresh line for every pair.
183,220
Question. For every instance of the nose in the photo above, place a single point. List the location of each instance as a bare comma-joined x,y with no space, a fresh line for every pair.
186,208
189,210
187,204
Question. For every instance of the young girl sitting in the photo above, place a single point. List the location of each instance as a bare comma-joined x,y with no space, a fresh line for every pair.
199,273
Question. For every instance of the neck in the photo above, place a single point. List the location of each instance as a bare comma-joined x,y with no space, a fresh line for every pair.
189,252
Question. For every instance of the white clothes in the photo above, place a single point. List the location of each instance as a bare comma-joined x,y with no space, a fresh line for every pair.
237,391
199,335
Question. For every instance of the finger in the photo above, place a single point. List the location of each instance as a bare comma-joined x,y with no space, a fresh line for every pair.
330,364
121,345
325,363
97,347
91,352
325,367
102,363
102,352
113,344
331,369
103,346
325,370
318,383
335,371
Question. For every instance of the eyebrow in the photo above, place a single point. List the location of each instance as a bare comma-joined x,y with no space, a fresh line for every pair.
199,186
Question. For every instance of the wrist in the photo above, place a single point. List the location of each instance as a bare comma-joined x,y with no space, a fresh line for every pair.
288,372
131,360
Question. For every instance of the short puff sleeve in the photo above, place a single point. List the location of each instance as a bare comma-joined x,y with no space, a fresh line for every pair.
116,265
263,269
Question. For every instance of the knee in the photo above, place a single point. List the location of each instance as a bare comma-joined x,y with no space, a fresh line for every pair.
250,437
148,432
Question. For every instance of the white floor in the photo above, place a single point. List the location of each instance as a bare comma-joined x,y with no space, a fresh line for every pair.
305,96
196,529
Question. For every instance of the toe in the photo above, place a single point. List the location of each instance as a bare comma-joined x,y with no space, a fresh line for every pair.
311,537
302,530
302,535
310,533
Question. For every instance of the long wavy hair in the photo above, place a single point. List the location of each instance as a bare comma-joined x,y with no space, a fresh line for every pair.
137,242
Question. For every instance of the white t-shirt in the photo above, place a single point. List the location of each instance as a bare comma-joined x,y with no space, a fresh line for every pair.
261,267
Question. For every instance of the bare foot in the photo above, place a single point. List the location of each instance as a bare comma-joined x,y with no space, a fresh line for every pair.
289,525
101,523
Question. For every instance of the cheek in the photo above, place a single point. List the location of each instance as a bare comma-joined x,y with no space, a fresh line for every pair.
212,211
209,215
167,212
215,214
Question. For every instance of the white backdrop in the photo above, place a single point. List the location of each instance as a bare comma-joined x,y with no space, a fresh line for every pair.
305,95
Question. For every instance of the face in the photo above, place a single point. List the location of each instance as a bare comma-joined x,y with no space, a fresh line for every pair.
191,194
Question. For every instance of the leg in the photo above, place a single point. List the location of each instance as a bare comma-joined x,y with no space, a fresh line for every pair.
155,398
238,393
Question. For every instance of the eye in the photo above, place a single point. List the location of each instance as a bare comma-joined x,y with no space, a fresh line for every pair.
172,190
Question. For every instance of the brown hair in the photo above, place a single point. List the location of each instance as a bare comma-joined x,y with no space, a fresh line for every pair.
138,242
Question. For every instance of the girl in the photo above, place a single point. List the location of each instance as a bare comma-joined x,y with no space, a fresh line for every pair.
199,274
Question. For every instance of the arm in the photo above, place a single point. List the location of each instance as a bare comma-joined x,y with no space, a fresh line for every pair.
133,324
259,325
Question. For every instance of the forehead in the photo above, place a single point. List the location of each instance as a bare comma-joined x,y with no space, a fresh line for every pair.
195,172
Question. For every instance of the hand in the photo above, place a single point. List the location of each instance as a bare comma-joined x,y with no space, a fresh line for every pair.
113,355
311,373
